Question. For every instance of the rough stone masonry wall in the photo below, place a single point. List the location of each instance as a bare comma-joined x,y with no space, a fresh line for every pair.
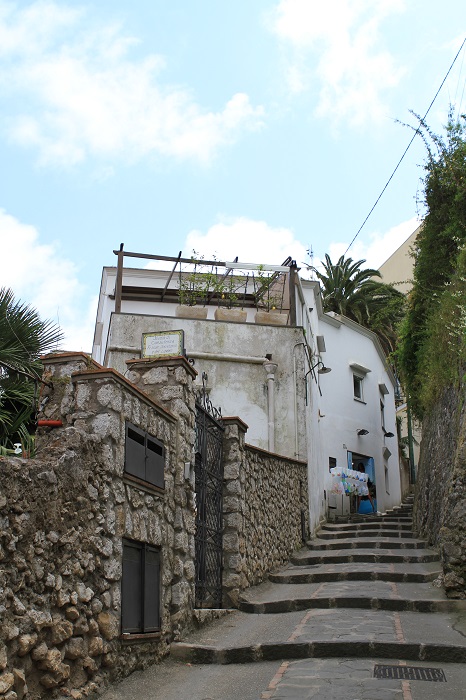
62,519
265,498
264,494
64,513
440,497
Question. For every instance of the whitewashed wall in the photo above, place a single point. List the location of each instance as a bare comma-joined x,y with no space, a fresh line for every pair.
232,355
340,415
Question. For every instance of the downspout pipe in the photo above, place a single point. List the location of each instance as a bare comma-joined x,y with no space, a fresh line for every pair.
270,369
412,466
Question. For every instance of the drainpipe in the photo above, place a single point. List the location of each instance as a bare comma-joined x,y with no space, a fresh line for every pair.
295,393
271,368
411,445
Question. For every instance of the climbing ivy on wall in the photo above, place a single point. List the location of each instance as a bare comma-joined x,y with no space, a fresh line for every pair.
432,351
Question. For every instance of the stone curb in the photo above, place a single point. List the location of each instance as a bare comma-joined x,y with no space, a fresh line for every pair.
395,577
370,525
367,544
326,535
394,604
367,558
199,654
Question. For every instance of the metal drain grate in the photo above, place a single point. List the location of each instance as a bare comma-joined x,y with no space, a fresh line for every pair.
409,673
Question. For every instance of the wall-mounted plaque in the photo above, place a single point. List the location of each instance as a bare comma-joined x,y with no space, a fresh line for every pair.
163,344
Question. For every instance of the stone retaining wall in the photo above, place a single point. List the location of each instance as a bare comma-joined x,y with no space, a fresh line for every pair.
440,497
65,514
265,505
63,518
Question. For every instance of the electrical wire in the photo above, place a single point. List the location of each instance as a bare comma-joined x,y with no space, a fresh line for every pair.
407,148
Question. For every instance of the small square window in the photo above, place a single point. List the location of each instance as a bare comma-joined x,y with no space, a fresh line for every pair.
332,462
144,456
358,387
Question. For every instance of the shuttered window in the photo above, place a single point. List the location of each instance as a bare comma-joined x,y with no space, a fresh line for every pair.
140,594
144,456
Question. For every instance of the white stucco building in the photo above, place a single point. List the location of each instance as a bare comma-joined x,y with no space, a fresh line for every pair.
268,374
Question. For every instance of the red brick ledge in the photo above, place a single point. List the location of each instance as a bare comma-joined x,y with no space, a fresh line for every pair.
301,462
60,357
178,360
235,420
110,373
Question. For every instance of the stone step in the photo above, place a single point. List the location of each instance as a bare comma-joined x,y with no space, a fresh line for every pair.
270,596
341,571
357,519
305,558
200,654
366,543
369,525
351,534
331,632
426,605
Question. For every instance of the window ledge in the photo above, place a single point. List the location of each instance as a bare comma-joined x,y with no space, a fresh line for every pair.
359,368
143,485
359,400
131,637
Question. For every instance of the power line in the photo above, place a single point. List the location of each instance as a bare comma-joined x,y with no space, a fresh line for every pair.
406,150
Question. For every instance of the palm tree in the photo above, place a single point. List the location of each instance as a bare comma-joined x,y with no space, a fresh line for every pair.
24,337
353,292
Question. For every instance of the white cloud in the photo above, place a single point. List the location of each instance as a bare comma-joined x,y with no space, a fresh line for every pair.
257,242
40,276
353,68
86,95
380,246
252,241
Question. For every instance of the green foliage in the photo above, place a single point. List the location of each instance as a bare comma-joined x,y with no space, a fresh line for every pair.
23,339
442,355
353,292
204,282
269,292
196,285
229,289
433,333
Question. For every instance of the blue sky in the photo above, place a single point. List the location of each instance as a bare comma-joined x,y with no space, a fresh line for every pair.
258,129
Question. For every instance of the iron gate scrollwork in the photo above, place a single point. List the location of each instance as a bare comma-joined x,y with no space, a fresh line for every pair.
209,486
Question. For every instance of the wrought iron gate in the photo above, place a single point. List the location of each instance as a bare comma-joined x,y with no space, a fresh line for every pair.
209,486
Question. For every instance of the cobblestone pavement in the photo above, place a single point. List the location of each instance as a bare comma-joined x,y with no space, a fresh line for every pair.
353,679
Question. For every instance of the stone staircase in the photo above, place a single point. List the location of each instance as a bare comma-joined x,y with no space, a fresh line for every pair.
368,589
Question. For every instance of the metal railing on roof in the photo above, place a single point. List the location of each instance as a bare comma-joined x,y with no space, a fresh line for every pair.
262,285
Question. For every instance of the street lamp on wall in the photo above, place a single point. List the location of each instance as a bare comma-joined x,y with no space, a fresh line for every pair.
322,368
362,431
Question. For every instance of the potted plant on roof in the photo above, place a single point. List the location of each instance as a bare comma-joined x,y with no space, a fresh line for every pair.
269,299
226,292
194,288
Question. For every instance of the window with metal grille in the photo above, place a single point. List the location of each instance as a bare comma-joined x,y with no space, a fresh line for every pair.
144,456
140,588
